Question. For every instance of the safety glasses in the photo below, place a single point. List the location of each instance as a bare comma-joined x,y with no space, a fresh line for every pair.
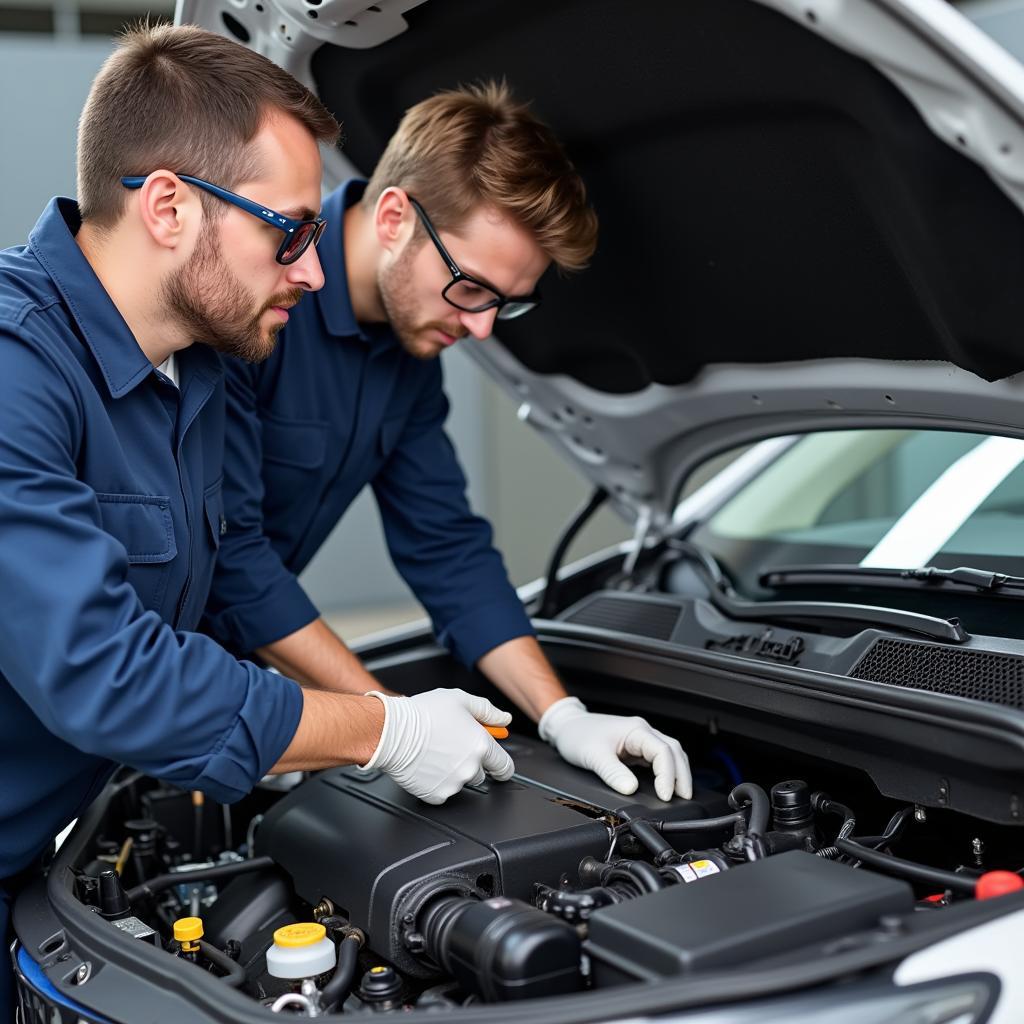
299,235
470,294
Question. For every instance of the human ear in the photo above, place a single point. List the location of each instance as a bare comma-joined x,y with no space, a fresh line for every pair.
391,216
166,208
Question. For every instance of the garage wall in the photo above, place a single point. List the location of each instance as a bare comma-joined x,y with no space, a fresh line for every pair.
43,84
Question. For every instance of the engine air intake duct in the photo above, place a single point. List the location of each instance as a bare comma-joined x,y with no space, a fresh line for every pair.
502,948
758,910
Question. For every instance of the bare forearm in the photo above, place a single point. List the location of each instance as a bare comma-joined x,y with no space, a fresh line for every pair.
316,656
521,671
335,728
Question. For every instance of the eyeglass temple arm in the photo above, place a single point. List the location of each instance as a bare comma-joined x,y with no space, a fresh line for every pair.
270,216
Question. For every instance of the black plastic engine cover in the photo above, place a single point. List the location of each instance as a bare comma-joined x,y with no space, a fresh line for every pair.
747,913
378,853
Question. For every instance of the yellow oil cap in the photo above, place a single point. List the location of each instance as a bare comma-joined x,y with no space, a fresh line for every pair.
188,929
294,936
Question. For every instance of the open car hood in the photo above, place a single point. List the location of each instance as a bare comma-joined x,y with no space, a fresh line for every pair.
810,210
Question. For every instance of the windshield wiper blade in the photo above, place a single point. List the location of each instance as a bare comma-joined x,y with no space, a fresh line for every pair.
725,599
844,575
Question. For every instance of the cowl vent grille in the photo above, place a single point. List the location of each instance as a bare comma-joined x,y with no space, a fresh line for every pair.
624,615
979,675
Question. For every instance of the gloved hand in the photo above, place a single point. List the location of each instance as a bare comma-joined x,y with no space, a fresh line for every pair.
433,744
596,742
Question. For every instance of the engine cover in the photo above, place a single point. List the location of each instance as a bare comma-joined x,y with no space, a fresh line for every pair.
379,854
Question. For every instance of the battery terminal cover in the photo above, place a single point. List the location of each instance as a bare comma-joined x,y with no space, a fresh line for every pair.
301,950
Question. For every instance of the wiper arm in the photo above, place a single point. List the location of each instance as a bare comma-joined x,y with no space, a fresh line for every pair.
893,618
726,600
845,575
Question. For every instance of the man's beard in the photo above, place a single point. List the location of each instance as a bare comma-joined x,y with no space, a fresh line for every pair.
215,308
395,284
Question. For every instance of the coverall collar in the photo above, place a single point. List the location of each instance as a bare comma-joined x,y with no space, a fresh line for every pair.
333,299
122,362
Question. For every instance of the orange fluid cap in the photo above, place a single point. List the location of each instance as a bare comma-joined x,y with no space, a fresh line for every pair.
499,732
188,929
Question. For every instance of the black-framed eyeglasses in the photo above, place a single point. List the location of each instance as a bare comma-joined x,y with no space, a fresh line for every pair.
299,235
469,293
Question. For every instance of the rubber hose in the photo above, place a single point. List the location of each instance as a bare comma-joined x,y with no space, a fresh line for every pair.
700,824
759,805
338,988
643,874
823,804
234,974
659,847
962,884
210,874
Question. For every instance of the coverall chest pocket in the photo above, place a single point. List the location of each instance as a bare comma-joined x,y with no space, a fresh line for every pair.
143,525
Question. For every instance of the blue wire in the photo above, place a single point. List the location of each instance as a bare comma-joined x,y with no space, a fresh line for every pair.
730,765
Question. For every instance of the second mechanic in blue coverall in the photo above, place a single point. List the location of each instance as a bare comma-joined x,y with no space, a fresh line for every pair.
471,201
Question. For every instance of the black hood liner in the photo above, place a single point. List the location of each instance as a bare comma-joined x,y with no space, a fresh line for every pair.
763,195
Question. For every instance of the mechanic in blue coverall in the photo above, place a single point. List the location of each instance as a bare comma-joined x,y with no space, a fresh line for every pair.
111,458
471,201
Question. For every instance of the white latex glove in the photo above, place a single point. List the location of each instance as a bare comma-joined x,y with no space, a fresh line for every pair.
433,744
596,742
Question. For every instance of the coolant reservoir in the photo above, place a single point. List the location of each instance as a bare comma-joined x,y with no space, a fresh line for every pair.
301,951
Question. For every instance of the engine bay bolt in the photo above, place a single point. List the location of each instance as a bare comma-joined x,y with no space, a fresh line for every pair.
920,814
82,974
325,908
977,848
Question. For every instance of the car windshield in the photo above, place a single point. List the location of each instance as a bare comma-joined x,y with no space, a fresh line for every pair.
878,498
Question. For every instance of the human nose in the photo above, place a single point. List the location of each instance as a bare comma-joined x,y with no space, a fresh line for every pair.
480,325
306,272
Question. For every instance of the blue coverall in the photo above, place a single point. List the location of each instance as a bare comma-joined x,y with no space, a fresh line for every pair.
340,405
111,514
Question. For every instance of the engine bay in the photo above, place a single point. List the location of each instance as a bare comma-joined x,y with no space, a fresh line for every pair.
342,893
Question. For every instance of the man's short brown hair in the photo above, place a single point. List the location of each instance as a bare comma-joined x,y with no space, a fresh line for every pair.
189,101
478,146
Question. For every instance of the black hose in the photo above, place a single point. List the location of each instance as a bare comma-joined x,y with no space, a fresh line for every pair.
754,847
823,804
657,846
701,824
233,974
210,874
759,805
633,884
636,872
549,602
962,884
646,876
338,988
892,831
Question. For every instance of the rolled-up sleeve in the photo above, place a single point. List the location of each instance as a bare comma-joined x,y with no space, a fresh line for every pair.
254,599
96,668
440,548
